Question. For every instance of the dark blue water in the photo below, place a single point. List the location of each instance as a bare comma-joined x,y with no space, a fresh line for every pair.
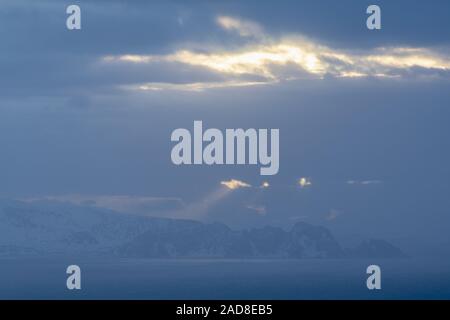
224,279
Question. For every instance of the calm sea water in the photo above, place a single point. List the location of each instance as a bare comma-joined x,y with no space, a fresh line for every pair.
223,279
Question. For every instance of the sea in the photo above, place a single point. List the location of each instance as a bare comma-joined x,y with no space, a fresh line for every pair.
113,278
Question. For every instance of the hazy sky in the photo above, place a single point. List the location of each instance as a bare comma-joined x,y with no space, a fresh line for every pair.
87,115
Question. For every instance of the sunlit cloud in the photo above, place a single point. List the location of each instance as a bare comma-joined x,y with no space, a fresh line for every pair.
235,184
200,208
404,58
304,182
131,58
265,184
243,27
257,61
273,60
197,86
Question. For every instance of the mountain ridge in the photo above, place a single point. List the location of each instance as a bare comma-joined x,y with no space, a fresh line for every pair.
52,227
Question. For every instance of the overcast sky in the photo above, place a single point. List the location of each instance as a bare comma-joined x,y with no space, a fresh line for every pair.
86,115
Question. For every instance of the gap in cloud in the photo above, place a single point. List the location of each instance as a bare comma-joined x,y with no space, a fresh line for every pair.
277,59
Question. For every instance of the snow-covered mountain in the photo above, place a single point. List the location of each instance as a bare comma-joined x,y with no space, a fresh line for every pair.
56,227
50,227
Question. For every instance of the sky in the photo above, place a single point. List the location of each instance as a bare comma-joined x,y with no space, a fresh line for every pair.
86,115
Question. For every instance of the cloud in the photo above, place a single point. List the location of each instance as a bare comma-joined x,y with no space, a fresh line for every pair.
269,60
244,28
304,182
265,184
261,210
364,182
195,86
235,184
122,203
